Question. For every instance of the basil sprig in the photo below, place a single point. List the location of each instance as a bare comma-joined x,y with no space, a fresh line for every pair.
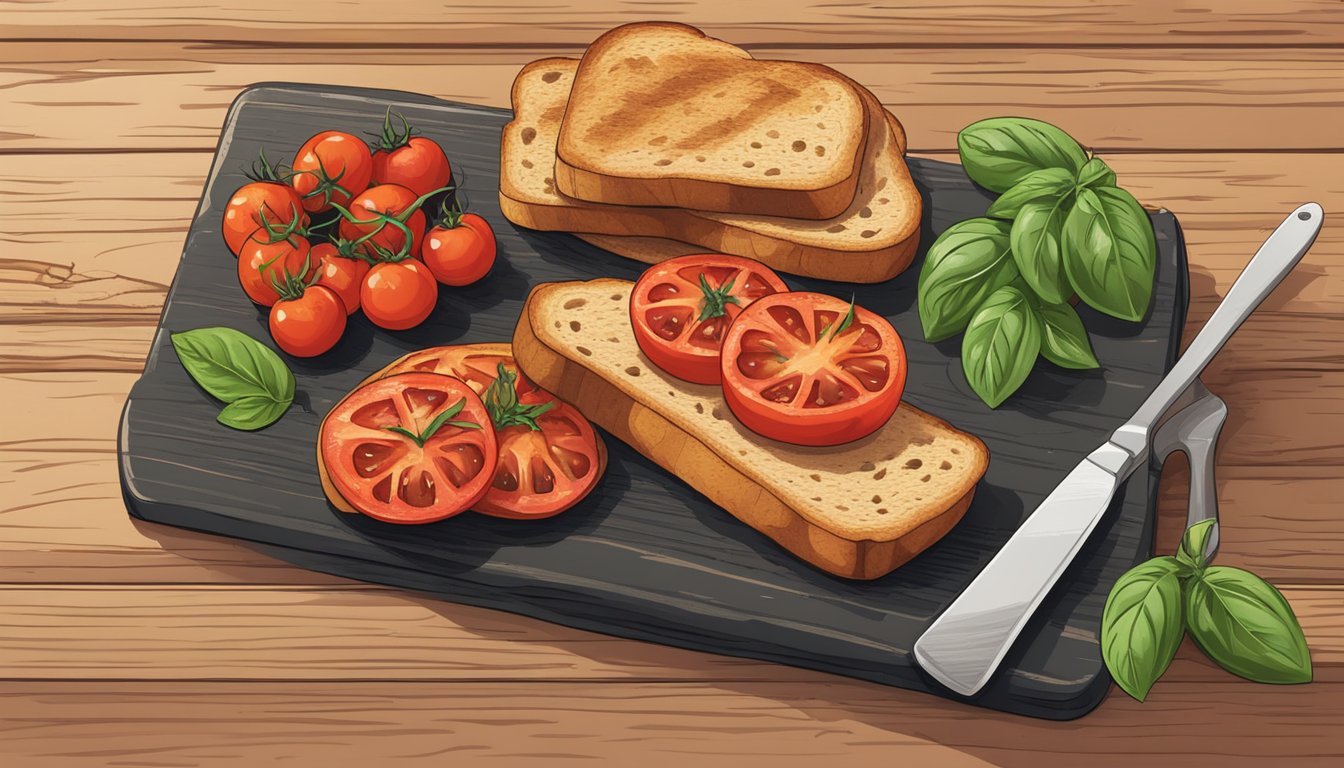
1060,228
239,370
1239,620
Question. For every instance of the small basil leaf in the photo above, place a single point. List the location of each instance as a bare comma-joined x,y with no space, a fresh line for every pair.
1096,173
230,365
251,413
1037,240
968,261
1245,625
1064,340
1141,625
1045,183
1110,254
1195,543
999,152
1001,345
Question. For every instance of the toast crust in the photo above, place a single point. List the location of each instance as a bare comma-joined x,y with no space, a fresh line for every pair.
654,90
730,482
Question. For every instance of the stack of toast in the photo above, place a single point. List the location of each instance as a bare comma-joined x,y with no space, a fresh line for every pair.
662,141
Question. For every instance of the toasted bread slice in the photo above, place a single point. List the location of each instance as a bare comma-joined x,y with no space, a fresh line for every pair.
857,510
661,114
872,241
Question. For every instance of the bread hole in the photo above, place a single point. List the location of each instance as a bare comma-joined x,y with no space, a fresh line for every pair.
881,183
820,150
574,326
822,126
842,507
529,133
956,451
914,464
664,161
869,232
799,146
699,158
816,498
586,352
575,303
744,453
925,478
883,200
815,477
771,171
657,140
867,466
616,297
699,408
918,440
557,323
836,228
748,164
865,212
883,511
818,108
946,465
877,499
670,393
632,370
550,77
717,413
772,134
527,163
613,340
755,145
881,473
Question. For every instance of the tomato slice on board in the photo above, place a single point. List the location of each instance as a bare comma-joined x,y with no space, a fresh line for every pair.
799,369
681,309
381,454
542,471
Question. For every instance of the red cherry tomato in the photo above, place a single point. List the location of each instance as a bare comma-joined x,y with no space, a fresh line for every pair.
260,261
332,166
342,274
798,368
398,295
308,325
681,308
460,254
392,200
256,204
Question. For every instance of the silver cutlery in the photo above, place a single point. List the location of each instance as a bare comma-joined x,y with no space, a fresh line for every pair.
1194,429
965,645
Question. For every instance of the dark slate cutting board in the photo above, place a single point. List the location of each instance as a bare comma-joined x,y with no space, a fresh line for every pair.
645,556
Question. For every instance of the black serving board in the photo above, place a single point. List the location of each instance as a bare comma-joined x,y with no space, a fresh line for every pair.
645,556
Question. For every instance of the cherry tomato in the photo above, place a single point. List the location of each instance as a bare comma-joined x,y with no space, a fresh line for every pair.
413,448
332,166
541,472
681,308
344,275
460,254
308,325
798,368
398,295
389,199
260,261
278,203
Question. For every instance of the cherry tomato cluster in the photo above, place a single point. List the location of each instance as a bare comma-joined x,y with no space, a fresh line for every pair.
373,250
798,367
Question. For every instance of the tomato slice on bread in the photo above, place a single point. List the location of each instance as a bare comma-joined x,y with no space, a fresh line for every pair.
680,309
410,448
811,369
550,458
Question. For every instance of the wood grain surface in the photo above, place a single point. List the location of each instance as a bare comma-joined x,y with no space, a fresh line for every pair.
1225,112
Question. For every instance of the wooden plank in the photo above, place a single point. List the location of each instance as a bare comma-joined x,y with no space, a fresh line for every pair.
134,95
1218,724
848,24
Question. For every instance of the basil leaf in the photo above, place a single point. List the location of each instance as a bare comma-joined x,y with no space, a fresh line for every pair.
1001,344
1141,625
968,261
232,366
1110,254
1064,340
1195,544
251,413
1037,240
1045,183
1244,624
999,152
1096,173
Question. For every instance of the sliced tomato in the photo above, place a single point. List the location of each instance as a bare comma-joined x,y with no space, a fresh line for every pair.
383,455
800,368
681,308
543,470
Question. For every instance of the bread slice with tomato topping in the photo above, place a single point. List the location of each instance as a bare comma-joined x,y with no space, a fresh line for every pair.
856,510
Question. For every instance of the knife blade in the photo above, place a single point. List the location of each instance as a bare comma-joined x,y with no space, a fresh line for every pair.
965,645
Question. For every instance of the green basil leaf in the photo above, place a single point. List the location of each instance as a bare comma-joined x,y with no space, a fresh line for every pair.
1064,340
1110,254
1096,173
968,261
1141,625
999,152
1244,624
1001,345
1037,240
230,364
1195,543
1045,183
249,413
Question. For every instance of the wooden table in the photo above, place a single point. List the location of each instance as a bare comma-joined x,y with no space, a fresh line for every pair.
133,644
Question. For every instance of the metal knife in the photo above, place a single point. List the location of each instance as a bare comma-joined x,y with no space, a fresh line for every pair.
1194,429
965,645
